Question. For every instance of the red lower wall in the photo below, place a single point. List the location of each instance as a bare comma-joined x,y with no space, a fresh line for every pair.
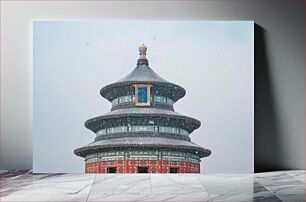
153,166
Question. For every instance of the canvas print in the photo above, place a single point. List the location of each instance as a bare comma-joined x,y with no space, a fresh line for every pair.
143,97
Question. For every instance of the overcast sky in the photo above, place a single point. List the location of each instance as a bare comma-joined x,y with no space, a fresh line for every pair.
212,60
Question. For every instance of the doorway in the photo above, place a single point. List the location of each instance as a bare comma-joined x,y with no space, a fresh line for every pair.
112,170
142,169
173,170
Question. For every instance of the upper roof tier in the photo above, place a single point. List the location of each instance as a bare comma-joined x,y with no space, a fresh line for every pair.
143,74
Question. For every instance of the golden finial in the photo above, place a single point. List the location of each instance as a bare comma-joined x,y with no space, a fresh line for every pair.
142,51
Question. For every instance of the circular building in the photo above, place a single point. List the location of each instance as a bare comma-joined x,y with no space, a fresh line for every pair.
142,133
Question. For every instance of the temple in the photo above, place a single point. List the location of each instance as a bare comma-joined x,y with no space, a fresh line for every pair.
142,133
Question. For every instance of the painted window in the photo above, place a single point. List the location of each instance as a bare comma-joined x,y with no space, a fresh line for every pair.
143,128
115,102
92,160
144,155
167,129
169,101
143,98
101,132
162,100
184,132
118,129
123,99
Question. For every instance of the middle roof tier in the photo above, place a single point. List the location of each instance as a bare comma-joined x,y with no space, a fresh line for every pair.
142,116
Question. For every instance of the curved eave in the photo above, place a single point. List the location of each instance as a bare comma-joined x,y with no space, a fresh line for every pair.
178,91
91,124
83,151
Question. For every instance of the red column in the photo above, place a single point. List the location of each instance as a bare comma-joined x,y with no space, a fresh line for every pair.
159,166
187,168
99,165
126,166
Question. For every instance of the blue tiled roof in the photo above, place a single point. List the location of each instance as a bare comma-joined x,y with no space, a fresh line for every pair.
142,73
192,123
145,142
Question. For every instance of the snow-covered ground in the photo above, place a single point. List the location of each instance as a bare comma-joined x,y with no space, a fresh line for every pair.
270,186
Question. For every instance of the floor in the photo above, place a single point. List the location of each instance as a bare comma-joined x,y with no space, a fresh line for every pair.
271,186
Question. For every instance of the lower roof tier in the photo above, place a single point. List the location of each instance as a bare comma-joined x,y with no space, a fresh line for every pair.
142,115
142,142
